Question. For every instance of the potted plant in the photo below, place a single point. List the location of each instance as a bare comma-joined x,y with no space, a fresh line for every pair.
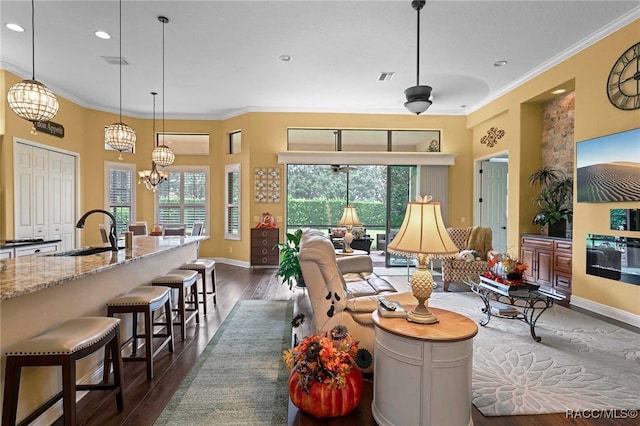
289,266
554,202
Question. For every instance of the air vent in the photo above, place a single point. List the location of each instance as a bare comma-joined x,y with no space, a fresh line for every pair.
386,76
115,60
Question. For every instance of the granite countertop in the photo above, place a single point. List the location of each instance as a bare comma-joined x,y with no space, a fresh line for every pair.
28,274
25,242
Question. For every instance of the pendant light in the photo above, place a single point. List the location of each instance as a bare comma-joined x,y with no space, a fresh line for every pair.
418,96
120,136
30,99
152,178
162,154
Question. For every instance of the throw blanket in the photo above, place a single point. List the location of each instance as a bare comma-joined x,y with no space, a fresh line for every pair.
480,241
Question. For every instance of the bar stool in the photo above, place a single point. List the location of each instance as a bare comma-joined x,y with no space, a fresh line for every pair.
204,267
183,281
63,346
146,300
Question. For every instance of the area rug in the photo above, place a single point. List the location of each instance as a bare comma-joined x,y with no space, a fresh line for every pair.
240,378
581,363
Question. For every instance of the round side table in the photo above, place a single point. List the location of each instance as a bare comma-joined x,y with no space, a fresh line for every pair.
422,372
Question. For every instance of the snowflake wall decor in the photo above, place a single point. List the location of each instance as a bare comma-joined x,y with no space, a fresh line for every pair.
492,136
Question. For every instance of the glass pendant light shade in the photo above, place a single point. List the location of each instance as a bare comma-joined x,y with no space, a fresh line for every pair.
163,155
32,101
152,178
120,137
418,99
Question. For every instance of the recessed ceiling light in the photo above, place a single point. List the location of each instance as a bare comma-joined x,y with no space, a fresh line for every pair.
285,58
558,91
499,63
103,35
463,106
15,27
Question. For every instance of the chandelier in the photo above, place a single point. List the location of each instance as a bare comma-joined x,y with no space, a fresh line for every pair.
152,178
418,96
30,99
162,154
120,136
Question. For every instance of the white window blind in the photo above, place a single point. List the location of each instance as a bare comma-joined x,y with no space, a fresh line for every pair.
120,193
232,202
182,199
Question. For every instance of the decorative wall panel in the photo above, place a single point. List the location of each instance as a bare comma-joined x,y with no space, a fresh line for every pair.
267,185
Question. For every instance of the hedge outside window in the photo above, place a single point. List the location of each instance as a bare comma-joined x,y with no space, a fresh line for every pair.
232,202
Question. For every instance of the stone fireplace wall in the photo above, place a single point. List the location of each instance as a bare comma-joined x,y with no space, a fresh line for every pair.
557,133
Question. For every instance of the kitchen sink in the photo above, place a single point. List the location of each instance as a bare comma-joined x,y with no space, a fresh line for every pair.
85,251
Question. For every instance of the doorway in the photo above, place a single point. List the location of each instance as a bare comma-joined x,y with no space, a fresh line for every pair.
490,207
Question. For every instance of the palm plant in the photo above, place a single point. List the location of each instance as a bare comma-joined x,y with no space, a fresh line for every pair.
289,266
555,200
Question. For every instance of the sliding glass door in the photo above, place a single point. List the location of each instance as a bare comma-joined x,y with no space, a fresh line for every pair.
401,188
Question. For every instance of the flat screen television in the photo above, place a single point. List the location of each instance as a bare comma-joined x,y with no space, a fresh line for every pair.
608,168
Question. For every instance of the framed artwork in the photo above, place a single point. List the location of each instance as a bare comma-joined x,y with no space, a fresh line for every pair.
608,168
267,185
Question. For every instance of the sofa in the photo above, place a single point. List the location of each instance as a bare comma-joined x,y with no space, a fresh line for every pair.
343,290
472,238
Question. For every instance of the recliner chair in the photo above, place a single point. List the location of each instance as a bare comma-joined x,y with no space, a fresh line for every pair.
472,238
344,290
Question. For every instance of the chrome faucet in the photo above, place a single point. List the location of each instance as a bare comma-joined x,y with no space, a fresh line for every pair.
113,238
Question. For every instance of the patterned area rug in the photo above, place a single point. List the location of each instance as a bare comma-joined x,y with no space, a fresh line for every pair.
240,378
581,363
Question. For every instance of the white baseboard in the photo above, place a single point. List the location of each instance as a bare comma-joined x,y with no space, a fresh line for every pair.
607,311
233,262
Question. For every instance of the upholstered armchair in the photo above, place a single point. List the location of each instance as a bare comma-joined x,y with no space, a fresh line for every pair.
472,238
344,290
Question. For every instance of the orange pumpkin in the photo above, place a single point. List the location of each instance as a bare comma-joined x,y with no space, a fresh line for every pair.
327,401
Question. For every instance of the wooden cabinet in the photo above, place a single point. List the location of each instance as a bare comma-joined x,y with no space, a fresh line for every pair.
263,247
549,262
37,249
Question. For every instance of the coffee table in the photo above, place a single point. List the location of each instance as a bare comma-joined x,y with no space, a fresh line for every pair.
341,252
527,302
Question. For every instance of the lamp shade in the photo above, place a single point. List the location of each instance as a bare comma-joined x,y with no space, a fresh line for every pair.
32,101
422,231
350,217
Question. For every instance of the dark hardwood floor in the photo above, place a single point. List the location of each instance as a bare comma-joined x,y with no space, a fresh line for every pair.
145,400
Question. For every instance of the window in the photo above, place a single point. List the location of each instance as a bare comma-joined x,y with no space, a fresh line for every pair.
232,202
120,193
182,199
235,142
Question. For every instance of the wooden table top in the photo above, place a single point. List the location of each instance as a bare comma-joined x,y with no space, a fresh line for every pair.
452,327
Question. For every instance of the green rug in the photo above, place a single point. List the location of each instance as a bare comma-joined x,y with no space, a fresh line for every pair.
240,378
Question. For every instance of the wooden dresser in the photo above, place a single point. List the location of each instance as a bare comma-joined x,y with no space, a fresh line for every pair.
263,246
549,260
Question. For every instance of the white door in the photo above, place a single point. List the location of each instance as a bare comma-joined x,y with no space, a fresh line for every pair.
493,202
68,207
62,199
40,192
23,191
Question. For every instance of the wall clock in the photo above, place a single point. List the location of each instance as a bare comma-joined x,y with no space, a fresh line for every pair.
623,86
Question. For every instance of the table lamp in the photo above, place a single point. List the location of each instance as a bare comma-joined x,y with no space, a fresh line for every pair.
349,219
422,234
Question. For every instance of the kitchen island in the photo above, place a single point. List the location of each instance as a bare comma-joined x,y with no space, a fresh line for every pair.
39,292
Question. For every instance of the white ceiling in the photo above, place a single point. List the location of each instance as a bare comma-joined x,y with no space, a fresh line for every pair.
222,56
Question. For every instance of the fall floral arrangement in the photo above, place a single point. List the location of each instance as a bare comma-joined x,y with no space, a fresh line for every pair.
506,269
326,358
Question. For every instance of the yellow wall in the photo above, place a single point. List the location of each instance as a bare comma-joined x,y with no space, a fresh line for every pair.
594,116
265,134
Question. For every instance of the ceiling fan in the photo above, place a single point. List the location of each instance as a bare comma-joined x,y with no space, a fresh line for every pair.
337,168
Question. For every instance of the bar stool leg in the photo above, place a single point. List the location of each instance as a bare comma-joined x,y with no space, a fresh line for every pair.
11,387
213,285
134,347
181,312
118,373
148,341
168,323
69,391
